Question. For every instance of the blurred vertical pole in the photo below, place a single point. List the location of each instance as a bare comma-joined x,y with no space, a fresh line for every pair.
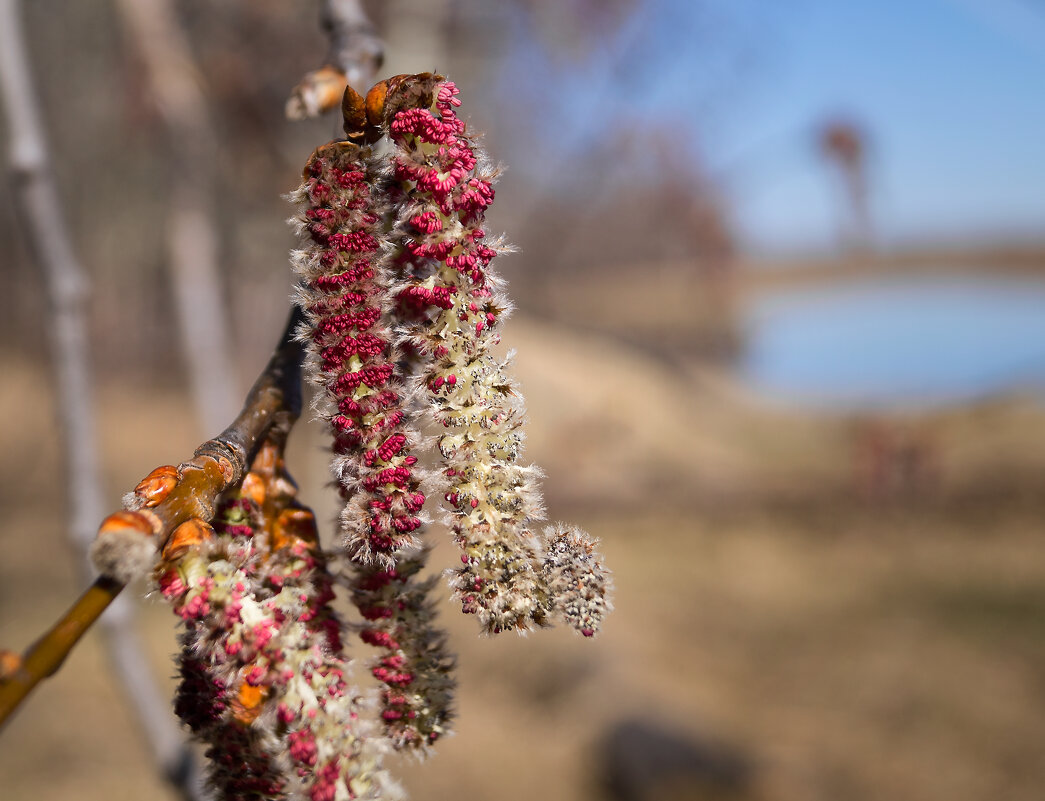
415,33
36,200
40,216
355,47
159,41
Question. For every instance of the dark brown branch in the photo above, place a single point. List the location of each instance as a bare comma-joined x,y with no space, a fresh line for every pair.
275,399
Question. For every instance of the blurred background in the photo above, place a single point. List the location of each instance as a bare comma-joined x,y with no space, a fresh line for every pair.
780,327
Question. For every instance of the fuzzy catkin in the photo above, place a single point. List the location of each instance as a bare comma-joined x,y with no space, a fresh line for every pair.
576,583
452,303
344,295
213,698
347,308
263,681
413,666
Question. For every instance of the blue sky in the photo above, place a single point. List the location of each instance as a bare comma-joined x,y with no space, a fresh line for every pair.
951,92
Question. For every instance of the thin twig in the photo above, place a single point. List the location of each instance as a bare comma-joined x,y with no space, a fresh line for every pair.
356,54
355,47
275,399
159,41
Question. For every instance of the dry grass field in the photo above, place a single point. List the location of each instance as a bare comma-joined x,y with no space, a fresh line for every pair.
814,634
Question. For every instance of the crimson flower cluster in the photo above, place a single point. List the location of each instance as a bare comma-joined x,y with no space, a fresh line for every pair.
264,680
402,313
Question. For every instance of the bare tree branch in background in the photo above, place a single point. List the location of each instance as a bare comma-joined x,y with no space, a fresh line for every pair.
355,47
168,497
356,54
159,41
417,33
36,199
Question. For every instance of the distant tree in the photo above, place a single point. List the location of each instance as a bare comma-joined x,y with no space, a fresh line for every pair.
843,145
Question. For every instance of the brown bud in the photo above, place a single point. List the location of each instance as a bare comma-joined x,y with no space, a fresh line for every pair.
125,547
248,702
319,92
400,92
155,487
375,100
228,469
293,525
323,151
145,523
353,110
253,488
188,535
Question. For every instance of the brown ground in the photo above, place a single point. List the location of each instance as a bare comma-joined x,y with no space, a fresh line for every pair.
852,621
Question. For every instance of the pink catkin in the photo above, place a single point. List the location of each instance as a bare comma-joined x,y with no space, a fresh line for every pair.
452,303
413,665
346,302
214,658
345,299
296,640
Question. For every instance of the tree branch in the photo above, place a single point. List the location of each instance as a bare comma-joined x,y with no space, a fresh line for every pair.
355,47
356,54
159,42
167,498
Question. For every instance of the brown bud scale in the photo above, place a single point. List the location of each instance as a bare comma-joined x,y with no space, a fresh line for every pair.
353,111
375,99
156,486
188,535
294,525
144,523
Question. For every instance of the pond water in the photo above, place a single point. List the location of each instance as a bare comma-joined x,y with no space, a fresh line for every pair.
896,341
